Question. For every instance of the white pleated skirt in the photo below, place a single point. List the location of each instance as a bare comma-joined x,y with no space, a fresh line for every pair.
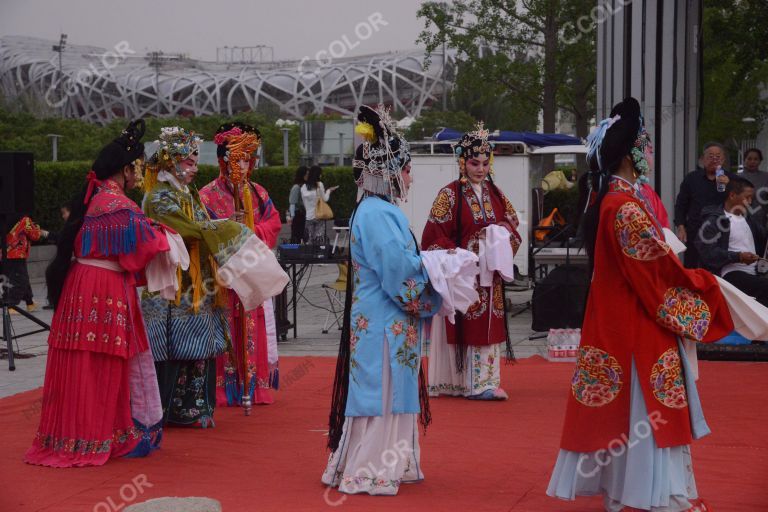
376,453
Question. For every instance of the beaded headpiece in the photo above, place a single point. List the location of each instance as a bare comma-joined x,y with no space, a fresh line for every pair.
175,145
380,159
473,144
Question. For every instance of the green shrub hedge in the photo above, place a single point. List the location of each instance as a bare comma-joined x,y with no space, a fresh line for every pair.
56,183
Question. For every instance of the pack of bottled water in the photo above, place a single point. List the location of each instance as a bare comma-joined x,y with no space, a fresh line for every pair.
563,344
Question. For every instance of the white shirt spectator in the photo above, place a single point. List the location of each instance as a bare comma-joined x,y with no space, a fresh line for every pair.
741,240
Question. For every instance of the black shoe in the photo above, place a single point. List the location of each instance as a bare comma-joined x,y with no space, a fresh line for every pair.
47,306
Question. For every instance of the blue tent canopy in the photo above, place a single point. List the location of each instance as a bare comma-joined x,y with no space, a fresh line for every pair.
529,138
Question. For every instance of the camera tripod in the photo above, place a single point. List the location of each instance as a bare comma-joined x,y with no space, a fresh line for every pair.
8,331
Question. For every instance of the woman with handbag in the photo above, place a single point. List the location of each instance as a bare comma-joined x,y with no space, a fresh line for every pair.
313,193
296,215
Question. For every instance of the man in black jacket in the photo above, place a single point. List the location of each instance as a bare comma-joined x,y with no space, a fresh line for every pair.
730,243
699,190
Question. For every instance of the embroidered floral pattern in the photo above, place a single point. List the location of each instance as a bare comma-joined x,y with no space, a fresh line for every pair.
597,380
410,297
443,206
86,446
189,394
485,369
685,313
97,325
618,185
667,380
445,388
366,483
359,326
637,234
407,352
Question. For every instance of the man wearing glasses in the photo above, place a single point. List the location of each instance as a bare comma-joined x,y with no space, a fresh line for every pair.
699,190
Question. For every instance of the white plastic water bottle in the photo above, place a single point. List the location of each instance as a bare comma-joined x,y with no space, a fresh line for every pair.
720,172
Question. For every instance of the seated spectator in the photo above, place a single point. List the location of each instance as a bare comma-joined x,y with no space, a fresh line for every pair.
699,190
730,242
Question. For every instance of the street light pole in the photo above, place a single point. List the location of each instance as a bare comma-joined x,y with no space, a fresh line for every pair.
286,133
746,141
54,146
59,48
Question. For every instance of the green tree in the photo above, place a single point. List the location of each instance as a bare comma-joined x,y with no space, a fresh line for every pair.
433,120
492,102
735,70
540,57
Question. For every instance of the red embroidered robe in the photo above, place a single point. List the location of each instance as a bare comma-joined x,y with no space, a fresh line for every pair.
483,324
217,197
641,299
19,237
96,328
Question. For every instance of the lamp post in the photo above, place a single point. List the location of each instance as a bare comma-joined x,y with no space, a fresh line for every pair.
747,141
286,133
59,48
54,146
155,61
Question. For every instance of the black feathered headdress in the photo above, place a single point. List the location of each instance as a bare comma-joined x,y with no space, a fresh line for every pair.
123,150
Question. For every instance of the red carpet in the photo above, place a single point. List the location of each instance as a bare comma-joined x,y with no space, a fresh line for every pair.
476,456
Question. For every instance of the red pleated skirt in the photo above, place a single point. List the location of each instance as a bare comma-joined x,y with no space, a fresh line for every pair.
86,414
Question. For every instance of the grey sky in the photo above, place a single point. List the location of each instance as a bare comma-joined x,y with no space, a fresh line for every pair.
295,28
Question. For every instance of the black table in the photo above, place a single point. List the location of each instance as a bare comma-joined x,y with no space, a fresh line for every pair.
290,265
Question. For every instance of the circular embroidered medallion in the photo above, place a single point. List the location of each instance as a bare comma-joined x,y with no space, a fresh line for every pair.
667,380
598,377
637,235
685,313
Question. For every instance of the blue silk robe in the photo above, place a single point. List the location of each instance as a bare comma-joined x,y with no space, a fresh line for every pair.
391,297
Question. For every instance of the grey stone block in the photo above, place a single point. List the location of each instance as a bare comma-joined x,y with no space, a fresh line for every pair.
190,504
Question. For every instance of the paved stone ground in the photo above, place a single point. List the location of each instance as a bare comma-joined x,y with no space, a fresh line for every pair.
311,341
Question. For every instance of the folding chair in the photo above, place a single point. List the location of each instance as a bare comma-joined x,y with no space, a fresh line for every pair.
336,292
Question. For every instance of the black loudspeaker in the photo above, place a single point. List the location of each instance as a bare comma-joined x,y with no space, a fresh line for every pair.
17,182
559,300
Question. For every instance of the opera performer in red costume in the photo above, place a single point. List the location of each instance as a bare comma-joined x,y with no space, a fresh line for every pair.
464,359
261,216
99,364
633,408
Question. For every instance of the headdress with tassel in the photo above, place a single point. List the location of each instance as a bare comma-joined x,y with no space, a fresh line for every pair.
238,142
